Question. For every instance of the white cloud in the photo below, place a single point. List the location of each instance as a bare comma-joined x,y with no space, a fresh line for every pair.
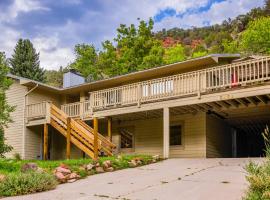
216,14
52,55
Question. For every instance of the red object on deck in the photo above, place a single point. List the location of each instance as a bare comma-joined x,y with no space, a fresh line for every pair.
234,79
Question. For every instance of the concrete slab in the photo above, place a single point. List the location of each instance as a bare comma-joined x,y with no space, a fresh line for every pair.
188,179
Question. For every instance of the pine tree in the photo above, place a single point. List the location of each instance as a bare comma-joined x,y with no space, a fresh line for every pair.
25,61
5,109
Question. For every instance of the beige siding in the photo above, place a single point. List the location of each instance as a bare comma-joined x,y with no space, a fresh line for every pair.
218,138
38,96
194,141
33,142
149,135
14,133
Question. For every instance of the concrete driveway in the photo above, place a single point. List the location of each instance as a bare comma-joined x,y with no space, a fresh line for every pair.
173,179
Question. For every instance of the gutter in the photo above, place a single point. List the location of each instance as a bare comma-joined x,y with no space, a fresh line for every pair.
24,113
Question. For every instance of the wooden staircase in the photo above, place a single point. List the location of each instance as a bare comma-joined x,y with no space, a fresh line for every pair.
79,133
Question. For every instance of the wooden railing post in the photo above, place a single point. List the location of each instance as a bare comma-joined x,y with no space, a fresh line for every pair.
95,138
68,137
139,94
45,142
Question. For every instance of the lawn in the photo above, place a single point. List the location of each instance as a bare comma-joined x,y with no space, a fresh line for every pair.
16,182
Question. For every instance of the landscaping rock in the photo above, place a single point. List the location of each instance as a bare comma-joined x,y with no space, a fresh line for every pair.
99,169
29,166
60,177
107,164
110,169
89,167
62,170
73,175
64,166
71,180
2,177
132,163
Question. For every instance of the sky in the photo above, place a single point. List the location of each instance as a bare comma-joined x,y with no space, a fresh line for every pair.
56,26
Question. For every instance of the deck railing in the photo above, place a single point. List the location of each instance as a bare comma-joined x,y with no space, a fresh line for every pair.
77,109
37,110
186,84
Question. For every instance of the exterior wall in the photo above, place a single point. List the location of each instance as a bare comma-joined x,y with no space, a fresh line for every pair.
33,142
218,138
148,135
38,96
14,132
194,136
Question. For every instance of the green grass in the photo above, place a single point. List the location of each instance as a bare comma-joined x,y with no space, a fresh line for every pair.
17,183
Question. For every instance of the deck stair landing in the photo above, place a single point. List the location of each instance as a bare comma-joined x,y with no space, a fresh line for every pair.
81,134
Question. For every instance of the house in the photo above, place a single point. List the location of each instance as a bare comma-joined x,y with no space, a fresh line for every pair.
212,106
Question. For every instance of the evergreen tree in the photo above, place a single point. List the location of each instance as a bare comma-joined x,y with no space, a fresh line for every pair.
25,61
5,109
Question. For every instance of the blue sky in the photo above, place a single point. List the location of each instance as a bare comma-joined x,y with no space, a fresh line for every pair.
55,26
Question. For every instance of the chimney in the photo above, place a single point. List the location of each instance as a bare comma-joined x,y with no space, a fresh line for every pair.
72,78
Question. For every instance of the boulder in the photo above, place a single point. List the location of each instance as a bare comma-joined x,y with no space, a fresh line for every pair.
29,166
89,167
62,170
73,175
64,166
99,169
2,177
60,177
132,163
106,164
110,169
72,180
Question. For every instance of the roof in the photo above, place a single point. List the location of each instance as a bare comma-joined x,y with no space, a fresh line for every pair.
209,60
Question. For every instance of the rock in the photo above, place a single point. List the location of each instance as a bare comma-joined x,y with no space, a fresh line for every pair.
132,163
72,180
2,177
62,170
99,169
106,164
119,157
154,161
40,170
60,177
89,167
97,165
64,166
110,169
156,157
139,162
73,175
29,166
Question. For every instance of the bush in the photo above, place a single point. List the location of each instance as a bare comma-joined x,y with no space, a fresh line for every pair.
26,183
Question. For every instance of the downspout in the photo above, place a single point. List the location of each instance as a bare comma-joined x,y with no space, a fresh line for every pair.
24,125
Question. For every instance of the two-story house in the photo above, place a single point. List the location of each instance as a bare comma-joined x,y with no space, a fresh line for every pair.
212,106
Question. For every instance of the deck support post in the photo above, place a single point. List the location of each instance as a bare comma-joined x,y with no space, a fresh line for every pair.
68,138
45,142
95,138
110,128
166,132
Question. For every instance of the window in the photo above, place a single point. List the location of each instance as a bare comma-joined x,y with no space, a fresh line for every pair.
175,135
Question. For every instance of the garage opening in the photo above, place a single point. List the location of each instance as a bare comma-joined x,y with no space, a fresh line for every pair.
248,125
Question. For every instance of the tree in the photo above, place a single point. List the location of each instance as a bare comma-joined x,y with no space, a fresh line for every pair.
5,109
86,61
25,61
256,38
135,49
55,77
174,54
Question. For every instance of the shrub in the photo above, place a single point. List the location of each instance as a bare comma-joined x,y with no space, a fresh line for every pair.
26,183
